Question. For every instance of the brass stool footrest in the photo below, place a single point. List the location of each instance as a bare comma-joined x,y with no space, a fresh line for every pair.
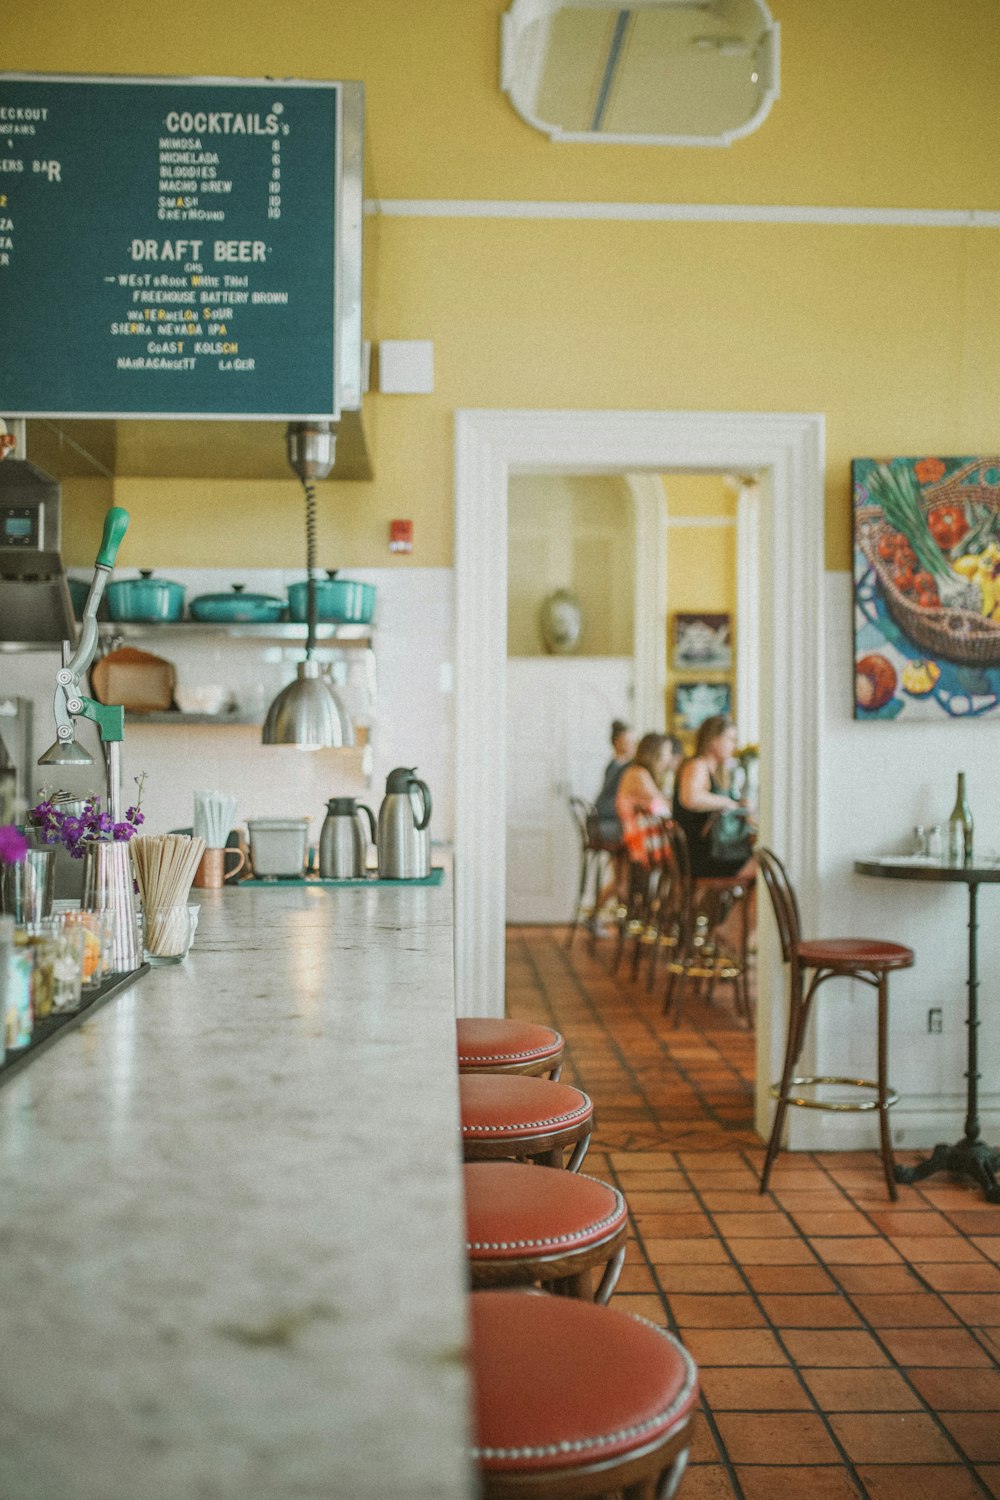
845,1106
707,968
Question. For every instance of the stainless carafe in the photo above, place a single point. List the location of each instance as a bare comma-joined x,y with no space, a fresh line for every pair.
343,839
404,835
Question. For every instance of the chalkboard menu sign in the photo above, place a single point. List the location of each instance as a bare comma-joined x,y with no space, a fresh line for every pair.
168,247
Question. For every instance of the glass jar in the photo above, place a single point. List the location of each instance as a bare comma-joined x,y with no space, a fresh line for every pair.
57,972
167,933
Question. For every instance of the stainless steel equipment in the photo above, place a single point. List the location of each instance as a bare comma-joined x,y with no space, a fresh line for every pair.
278,846
404,836
343,839
17,757
35,605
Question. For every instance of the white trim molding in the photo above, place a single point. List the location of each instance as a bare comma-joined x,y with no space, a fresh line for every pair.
787,451
649,616
685,213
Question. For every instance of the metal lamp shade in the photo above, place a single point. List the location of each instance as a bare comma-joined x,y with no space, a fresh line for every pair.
66,753
308,713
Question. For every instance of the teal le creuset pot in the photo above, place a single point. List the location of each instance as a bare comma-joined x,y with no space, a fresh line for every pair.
145,598
237,607
341,601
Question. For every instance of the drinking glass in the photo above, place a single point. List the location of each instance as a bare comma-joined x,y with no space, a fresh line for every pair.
98,933
167,934
57,973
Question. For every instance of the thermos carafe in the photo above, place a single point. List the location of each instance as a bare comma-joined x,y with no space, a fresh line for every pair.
404,835
343,839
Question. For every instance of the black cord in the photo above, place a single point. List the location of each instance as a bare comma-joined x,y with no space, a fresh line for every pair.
311,610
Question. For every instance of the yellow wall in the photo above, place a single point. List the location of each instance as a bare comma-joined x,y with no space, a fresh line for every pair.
893,333
575,532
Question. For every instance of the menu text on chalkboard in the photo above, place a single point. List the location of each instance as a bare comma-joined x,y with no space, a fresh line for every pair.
168,247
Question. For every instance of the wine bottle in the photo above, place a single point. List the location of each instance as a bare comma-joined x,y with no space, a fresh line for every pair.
960,826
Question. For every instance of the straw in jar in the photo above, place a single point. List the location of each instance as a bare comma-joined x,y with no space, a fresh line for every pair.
164,869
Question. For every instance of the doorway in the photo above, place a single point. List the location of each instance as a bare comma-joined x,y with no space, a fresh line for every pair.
786,450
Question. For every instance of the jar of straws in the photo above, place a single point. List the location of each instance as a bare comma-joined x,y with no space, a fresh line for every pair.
164,869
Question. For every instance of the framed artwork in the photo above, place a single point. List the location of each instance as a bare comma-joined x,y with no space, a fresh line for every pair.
926,587
694,702
701,643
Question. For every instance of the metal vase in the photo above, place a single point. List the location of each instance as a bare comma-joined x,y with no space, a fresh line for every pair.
26,887
108,884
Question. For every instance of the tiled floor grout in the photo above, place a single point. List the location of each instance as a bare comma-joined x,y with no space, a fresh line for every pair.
676,1105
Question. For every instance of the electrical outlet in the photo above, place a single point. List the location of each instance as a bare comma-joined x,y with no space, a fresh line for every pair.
934,1023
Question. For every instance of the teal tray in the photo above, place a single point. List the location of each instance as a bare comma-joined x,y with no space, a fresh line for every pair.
436,877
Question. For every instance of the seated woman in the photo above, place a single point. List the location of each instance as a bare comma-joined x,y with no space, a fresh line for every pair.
640,803
609,828
701,794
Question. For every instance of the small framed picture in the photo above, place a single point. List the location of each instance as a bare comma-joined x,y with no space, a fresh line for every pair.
701,643
694,702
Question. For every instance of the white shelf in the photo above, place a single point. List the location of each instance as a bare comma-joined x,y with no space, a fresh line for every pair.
351,636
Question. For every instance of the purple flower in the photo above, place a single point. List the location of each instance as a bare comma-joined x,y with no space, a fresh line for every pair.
93,826
13,845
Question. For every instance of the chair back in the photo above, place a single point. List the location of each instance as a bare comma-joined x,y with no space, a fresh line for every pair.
582,812
783,901
678,863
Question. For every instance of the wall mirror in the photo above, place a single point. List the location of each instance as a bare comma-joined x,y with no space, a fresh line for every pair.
658,73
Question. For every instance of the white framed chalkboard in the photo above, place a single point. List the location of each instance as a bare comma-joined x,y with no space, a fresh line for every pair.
169,247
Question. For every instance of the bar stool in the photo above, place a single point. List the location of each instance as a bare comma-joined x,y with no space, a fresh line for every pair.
529,1119
703,902
502,1045
865,959
528,1224
574,1400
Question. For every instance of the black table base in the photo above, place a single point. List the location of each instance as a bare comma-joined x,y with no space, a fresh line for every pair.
965,1159
970,1157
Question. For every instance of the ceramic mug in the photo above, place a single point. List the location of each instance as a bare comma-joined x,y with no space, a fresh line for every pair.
211,872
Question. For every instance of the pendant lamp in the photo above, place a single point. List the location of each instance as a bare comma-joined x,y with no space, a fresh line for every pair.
308,712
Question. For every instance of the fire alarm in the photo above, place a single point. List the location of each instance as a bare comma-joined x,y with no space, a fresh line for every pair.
400,536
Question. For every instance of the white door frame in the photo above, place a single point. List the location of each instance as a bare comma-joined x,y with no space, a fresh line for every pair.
787,449
649,623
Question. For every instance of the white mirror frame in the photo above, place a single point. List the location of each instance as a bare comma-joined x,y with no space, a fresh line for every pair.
521,64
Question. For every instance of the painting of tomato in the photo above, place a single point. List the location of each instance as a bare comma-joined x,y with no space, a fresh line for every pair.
947,524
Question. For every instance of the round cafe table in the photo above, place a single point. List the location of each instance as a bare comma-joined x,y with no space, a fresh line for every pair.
969,1157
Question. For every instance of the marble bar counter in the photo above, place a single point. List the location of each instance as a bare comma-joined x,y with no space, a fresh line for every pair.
231,1234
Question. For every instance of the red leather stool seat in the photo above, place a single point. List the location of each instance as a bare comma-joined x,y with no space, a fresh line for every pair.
853,953
567,1389
503,1045
528,1224
509,1115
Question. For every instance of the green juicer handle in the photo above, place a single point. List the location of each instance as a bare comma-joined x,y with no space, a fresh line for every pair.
115,527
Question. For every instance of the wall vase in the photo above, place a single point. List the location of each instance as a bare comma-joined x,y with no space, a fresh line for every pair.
108,884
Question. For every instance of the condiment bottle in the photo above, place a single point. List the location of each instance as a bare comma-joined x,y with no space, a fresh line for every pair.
15,988
960,827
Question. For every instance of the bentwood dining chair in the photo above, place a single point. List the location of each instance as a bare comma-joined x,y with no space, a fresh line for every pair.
868,960
593,856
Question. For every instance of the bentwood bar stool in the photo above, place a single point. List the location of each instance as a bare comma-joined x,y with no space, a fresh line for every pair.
524,1119
870,961
701,905
572,1400
505,1045
529,1225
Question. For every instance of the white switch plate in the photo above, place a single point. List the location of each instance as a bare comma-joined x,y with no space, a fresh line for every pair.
406,367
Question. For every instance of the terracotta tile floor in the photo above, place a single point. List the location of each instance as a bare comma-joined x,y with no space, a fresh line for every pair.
848,1346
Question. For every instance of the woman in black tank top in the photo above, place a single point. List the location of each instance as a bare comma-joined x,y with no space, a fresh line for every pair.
700,794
